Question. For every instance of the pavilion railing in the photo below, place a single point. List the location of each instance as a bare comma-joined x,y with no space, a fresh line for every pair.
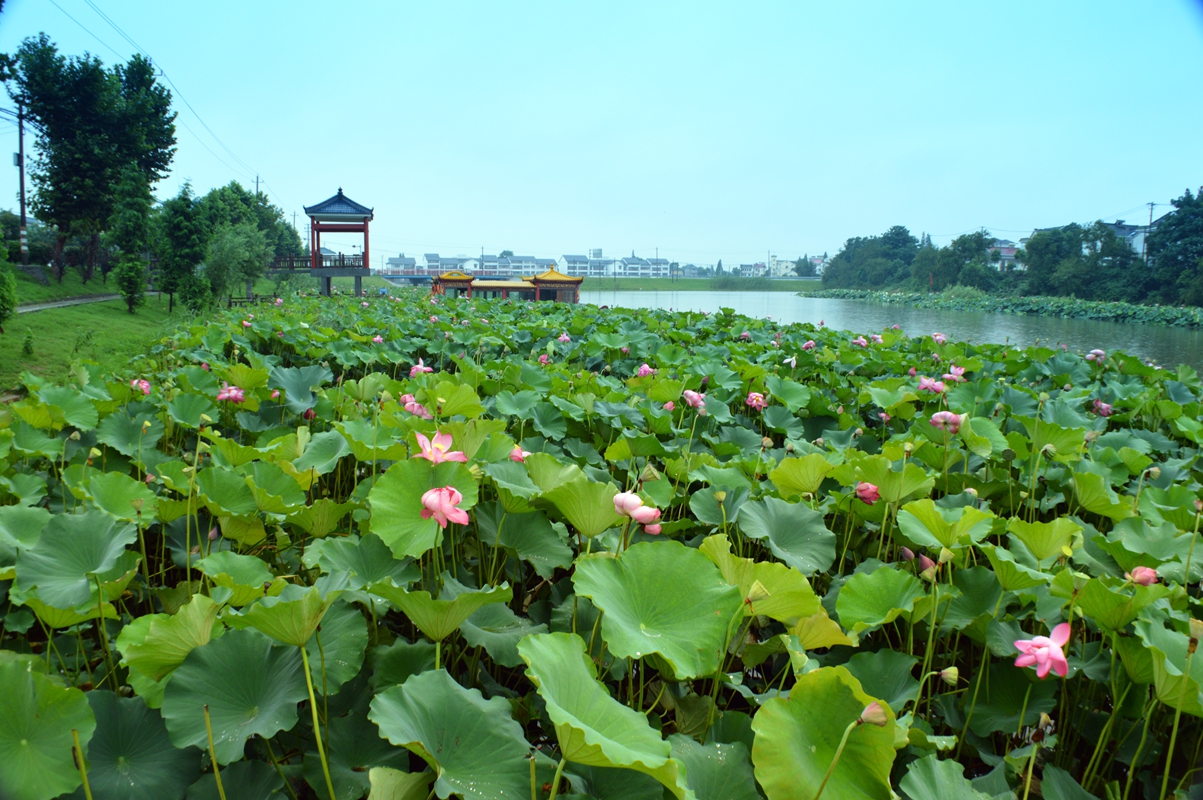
336,261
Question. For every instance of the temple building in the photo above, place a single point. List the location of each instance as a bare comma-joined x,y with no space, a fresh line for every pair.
550,285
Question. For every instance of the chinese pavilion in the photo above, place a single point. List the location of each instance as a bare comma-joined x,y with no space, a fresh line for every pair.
551,285
339,214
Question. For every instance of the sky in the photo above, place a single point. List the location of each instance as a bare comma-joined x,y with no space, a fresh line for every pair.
696,130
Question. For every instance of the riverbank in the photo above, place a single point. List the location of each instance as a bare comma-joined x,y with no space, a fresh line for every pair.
730,284
1063,307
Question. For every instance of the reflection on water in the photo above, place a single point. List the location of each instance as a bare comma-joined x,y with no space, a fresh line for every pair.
1167,346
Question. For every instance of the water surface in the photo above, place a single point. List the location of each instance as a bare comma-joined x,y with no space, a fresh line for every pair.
1166,345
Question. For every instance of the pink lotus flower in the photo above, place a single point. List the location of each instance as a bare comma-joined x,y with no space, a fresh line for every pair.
929,385
1101,408
876,338
1045,652
867,493
518,455
279,302
626,502
563,337
465,323
545,359
151,479
809,345
434,319
279,334
954,373
883,416
250,316
484,320
875,714
645,370
947,421
140,385
645,515
912,372
419,368
246,324
694,399
438,451
414,407
745,336
939,338
364,304
626,351
231,393
309,413
670,406
1096,355
378,339
275,394
775,343
860,341
443,505
205,366
792,361
821,323
756,400
654,530
1142,576
896,327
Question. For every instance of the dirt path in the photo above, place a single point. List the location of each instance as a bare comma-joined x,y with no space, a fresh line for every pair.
71,301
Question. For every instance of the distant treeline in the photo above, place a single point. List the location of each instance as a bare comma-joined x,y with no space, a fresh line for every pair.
1088,262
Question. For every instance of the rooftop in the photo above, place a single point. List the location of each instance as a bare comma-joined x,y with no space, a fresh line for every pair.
339,206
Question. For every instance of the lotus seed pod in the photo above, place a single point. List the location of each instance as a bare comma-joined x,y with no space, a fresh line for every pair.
1008,454
766,443
1044,397
720,496
1049,449
789,447
649,474
970,490
1154,473
946,555
950,675
1196,628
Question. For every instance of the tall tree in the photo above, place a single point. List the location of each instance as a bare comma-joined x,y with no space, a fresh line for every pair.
1175,250
236,253
183,247
129,232
1044,253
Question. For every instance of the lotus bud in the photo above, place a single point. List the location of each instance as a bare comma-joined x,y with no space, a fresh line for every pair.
720,496
1044,397
819,442
206,418
137,503
946,555
950,675
908,448
1091,436
74,436
1046,722
766,443
477,474
1154,473
927,569
145,425
875,714
1198,506
213,534
839,410
1068,386
971,491
859,432
907,554
789,447
1049,450
1023,495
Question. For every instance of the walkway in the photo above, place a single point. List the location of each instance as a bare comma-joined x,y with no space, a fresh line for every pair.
71,301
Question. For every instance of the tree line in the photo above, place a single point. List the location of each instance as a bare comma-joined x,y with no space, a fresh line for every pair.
1087,261
103,138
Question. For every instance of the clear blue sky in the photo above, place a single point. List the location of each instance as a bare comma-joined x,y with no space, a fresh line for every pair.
708,130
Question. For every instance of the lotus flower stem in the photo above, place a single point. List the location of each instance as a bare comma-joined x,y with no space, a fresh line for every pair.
1023,710
981,672
221,792
555,782
1169,753
79,761
534,791
836,759
317,729
1139,748
111,674
1027,783
272,756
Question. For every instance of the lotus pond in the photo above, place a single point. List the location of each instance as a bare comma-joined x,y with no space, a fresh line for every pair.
497,551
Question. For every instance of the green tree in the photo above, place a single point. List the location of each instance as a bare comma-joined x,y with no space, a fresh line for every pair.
960,252
719,269
506,254
183,249
873,262
803,268
1175,250
923,267
8,289
236,253
129,232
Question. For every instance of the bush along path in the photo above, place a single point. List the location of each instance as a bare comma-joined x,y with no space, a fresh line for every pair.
491,551
1068,307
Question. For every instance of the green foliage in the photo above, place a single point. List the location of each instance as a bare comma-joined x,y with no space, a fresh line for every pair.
8,295
873,260
131,280
175,552
1175,249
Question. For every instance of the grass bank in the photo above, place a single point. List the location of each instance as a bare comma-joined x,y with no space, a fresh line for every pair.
31,291
103,332
730,284
1067,307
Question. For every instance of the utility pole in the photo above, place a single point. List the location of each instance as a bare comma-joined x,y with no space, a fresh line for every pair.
294,220
256,186
1144,243
21,165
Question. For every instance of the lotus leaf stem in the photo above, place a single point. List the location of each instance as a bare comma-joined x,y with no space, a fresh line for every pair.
221,792
1169,752
555,782
1027,783
317,728
79,762
839,751
1135,765
104,634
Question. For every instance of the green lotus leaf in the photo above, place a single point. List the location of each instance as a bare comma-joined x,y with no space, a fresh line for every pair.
474,746
393,784
31,441
868,600
593,728
519,405
530,537
155,644
1006,693
929,778
549,421
72,549
1172,504
1067,443
983,437
323,453
127,435
298,384
790,597
248,577
494,627
796,740
1012,575
715,771
1177,681
392,665
396,501
250,686
36,746
275,491
1112,608
894,486
58,618
290,617
547,472
225,492
355,748
321,518
369,442
122,496
886,675
367,561
792,394
587,505
458,400
187,408
343,638
20,528
1095,495
718,505
795,532
925,524
130,756
665,598
440,618
244,780
71,406
1047,540
795,477
514,486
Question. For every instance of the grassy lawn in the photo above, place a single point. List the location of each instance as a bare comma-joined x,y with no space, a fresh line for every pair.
695,285
30,291
104,332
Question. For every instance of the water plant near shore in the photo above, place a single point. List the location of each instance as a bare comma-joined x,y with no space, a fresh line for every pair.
597,553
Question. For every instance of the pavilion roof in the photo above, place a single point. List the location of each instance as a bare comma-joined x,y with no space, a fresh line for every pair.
555,276
339,206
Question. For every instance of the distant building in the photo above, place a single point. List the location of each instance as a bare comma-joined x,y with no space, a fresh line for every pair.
636,267
402,263
1006,250
689,270
583,266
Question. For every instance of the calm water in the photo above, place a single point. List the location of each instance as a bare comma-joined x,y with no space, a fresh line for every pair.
1167,346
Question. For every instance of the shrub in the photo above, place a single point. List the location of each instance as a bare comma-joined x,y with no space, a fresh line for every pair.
131,282
8,296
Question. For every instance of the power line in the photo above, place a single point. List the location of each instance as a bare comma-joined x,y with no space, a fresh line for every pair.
80,24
